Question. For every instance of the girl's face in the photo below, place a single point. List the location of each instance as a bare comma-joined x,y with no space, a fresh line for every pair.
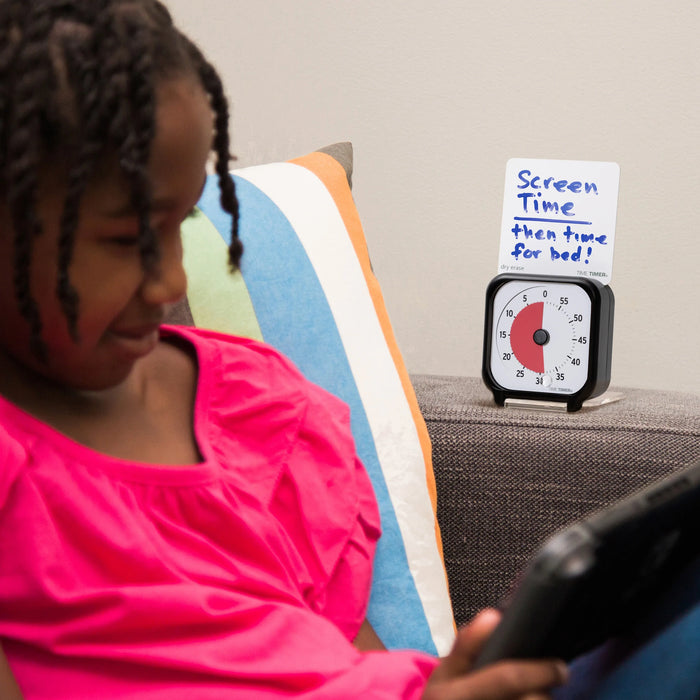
121,304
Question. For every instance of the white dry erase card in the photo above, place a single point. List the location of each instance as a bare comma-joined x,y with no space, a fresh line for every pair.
559,218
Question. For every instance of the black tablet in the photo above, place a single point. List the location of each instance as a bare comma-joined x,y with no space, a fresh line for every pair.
596,579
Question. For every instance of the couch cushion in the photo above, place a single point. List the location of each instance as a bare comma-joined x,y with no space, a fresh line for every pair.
307,288
509,478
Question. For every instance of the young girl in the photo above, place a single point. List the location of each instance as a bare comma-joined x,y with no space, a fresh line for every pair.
182,515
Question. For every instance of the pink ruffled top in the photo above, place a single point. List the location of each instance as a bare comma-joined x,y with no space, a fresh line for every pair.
243,576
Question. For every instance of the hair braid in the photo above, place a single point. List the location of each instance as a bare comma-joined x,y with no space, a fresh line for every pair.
82,66
229,202
137,147
128,106
23,154
8,51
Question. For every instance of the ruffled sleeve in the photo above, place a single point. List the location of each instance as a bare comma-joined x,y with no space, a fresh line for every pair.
288,443
346,596
326,502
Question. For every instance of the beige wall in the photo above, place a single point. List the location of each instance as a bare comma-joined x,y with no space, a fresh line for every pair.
436,96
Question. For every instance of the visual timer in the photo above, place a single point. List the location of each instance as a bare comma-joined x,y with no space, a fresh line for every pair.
547,338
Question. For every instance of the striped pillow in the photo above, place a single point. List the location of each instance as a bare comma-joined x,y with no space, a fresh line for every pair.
307,288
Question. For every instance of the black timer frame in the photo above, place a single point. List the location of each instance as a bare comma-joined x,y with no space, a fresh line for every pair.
600,347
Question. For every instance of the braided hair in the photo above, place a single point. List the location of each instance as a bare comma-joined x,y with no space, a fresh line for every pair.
78,77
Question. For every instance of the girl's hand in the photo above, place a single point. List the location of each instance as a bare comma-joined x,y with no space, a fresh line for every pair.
505,680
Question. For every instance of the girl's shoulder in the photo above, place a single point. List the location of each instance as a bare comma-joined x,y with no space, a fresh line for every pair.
214,345
252,366
246,387
250,381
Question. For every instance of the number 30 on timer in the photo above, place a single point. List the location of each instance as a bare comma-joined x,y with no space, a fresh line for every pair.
547,338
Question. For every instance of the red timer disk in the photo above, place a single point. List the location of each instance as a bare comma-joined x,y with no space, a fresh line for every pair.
526,336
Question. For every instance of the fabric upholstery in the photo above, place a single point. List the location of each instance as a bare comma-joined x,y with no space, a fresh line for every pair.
508,478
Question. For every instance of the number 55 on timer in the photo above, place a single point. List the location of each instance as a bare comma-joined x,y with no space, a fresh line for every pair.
547,338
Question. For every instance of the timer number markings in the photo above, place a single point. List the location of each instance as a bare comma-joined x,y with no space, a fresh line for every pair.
541,337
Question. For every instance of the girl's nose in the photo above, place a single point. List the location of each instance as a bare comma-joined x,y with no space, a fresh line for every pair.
166,281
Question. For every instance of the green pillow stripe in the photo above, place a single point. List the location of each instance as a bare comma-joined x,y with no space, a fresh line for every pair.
210,282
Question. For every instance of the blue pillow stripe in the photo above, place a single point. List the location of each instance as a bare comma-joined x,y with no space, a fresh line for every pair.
291,317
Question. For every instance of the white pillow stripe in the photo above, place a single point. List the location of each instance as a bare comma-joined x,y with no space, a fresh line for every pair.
324,237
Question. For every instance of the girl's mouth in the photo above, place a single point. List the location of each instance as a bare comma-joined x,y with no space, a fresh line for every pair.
137,341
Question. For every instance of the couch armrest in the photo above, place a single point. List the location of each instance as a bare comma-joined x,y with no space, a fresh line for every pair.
508,478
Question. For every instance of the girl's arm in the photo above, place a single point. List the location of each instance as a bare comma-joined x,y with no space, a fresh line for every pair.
367,639
9,690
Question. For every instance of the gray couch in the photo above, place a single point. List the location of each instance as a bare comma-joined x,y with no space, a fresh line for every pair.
508,478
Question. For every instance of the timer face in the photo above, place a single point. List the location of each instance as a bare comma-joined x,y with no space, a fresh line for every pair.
547,338
540,339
